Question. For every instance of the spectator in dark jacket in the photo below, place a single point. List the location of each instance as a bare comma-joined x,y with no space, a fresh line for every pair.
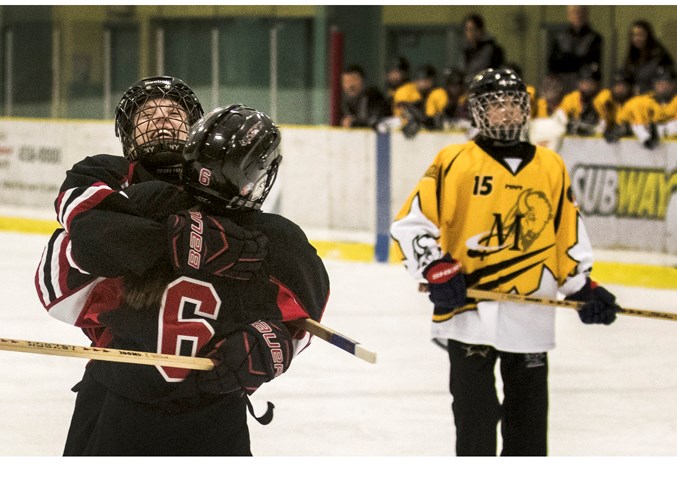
645,56
361,106
578,46
481,51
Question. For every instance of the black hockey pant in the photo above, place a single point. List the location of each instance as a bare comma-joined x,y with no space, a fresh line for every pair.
106,424
477,411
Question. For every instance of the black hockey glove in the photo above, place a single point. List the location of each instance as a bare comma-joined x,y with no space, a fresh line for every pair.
614,133
413,120
201,245
653,141
599,305
157,199
247,358
446,284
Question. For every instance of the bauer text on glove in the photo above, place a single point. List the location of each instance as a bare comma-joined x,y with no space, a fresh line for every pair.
247,358
203,245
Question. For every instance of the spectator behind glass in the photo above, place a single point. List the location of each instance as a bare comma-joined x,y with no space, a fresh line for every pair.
578,46
481,50
645,55
360,106
397,74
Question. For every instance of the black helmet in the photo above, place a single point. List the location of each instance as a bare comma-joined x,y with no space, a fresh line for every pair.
590,72
399,63
500,87
158,150
425,72
232,156
622,76
664,73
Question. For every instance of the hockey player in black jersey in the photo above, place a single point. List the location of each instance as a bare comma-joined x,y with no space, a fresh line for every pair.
498,213
142,265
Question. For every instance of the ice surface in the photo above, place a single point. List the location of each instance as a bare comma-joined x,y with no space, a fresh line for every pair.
613,389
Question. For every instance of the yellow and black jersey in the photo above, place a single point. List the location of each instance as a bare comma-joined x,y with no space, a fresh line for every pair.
640,110
643,109
434,103
572,104
609,109
511,220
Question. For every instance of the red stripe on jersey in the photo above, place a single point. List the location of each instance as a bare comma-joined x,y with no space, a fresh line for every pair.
38,284
290,306
64,266
104,297
130,175
88,203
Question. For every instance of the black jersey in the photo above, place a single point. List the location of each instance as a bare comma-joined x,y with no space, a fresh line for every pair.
83,275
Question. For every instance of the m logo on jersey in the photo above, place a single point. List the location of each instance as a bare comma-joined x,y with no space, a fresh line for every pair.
518,230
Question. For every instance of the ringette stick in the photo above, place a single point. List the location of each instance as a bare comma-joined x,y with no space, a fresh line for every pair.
336,339
510,297
154,359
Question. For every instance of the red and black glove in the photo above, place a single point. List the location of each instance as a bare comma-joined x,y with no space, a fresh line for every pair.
203,245
247,358
446,284
599,305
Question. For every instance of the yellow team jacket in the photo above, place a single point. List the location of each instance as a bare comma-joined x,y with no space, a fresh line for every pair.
609,110
434,104
642,109
571,104
514,230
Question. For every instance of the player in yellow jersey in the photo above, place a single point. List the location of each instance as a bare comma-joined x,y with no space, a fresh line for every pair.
611,101
498,214
581,108
419,102
652,116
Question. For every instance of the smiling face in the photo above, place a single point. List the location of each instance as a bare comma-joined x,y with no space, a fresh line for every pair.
160,119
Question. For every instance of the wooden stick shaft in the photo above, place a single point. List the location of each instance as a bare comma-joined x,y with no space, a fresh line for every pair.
106,354
510,297
187,362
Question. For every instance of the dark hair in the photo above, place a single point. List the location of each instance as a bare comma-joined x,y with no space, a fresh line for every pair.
398,62
354,68
425,71
635,54
475,19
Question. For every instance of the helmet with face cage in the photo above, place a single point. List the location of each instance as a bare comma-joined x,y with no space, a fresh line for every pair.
503,90
152,121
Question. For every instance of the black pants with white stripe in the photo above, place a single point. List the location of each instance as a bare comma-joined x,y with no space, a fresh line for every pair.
477,411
